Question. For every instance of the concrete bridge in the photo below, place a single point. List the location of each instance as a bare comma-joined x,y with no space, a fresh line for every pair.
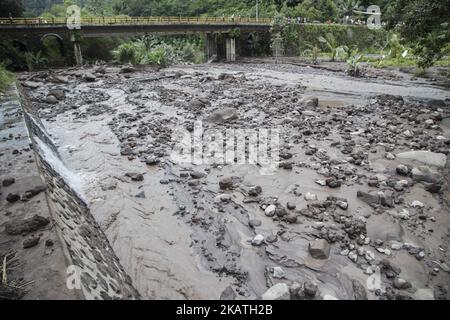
32,28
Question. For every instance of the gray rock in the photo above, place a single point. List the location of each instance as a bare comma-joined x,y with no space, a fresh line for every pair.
8,181
359,292
310,289
226,184
280,291
31,242
197,175
426,157
254,223
254,191
25,226
401,284
319,249
223,115
51,99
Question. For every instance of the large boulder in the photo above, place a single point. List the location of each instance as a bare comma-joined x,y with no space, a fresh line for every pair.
426,157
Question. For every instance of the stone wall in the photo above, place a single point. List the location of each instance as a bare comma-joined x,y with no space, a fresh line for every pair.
95,269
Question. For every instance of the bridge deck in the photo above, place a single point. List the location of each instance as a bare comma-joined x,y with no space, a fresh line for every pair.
138,21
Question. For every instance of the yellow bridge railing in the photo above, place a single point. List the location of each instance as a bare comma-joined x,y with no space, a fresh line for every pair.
137,20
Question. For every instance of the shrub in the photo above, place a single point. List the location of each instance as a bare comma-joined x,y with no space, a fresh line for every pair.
6,78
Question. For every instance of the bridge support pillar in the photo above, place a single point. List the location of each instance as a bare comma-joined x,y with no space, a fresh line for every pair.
78,54
76,48
210,46
231,49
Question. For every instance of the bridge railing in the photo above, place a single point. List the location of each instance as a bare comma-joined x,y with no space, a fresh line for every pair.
137,20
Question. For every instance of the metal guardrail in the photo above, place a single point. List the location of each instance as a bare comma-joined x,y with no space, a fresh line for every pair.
138,20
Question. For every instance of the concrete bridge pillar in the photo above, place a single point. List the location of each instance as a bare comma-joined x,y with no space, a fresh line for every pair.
77,50
210,46
231,49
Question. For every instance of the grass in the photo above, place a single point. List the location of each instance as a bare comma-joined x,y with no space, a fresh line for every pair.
6,78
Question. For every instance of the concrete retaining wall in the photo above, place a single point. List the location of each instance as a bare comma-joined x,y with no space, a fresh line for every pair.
94,267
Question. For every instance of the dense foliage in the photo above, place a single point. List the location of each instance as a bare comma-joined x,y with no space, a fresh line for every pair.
5,78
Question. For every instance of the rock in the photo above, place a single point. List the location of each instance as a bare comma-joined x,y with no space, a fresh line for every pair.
353,256
432,187
50,99
197,175
49,243
89,77
226,184
312,102
12,197
402,170
255,191
319,249
310,197
384,198
278,273
137,177
296,291
152,161
359,292
342,204
58,94
291,218
426,157
8,181
141,195
25,226
280,291
258,240
401,284
389,156
329,297
322,183
291,206
254,223
31,242
30,193
417,204
280,212
223,115
31,84
270,210
228,294
333,183
310,289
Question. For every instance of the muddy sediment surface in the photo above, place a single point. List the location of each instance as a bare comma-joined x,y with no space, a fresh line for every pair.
353,206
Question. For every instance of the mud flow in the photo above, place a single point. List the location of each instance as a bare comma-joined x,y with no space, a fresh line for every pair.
353,205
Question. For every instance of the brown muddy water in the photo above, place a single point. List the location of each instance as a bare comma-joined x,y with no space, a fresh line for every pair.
179,235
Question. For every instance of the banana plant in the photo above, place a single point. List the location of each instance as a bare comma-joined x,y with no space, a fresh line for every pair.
332,45
313,51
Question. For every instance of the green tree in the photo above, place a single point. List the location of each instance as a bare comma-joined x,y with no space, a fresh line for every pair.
424,24
12,8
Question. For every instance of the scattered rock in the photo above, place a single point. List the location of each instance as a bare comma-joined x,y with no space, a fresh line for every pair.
258,240
25,226
12,197
226,184
8,181
319,249
279,291
31,242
